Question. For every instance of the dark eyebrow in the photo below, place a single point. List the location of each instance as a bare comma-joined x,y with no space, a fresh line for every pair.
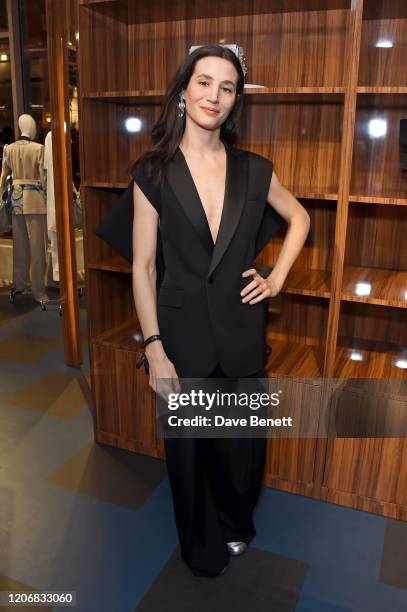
208,76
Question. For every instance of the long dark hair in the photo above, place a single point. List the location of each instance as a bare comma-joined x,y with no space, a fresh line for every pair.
168,130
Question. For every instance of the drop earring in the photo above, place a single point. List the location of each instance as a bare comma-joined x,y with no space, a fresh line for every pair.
181,107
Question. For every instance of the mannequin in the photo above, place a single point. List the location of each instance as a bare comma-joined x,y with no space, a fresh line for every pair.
50,196
24,159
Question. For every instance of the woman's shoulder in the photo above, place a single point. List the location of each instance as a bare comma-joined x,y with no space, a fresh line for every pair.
260,169
139,173
254,158
138,170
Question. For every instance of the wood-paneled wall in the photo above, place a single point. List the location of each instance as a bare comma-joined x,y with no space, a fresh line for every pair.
331,89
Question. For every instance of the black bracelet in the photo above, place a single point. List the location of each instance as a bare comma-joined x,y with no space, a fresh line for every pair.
143,361
151,339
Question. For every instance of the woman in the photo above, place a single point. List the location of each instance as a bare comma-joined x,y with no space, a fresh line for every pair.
204,200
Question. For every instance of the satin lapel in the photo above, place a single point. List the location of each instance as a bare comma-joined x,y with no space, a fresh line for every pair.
235,196
183,186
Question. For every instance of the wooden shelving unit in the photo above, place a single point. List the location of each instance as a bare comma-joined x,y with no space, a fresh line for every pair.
331,88
374,286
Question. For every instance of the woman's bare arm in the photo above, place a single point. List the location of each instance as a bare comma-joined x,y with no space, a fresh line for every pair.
298,227
144,274
145,224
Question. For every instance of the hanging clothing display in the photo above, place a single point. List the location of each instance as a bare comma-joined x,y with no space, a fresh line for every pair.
50,196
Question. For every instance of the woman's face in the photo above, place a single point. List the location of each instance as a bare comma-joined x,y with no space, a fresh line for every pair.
211,92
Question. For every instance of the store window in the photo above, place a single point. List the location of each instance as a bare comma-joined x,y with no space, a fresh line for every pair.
33,25
33,34
3,16
6,92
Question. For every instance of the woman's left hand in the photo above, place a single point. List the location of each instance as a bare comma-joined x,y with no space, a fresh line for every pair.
259,288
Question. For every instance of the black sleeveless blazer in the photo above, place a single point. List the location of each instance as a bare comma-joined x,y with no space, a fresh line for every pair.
200,314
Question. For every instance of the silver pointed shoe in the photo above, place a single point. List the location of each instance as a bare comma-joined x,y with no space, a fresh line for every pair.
236,548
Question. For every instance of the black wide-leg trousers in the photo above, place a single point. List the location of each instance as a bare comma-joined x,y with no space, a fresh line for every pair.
215,485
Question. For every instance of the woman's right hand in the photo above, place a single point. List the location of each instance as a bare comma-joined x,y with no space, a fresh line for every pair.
163,378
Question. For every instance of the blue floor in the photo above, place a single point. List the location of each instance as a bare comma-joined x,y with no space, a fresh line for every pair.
64,526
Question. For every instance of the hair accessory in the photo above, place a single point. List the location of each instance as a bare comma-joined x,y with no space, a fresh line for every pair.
237,50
